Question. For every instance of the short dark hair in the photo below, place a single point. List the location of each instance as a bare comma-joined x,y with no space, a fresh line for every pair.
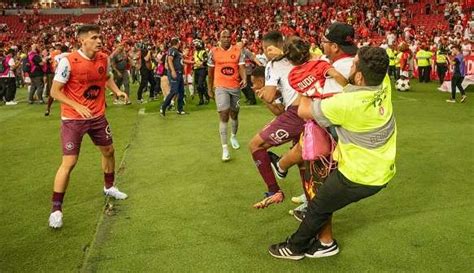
259,72
64,48
83,29
274,37
456,47
174,41
373,64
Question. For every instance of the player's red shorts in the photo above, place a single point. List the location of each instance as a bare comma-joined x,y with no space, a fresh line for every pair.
284,128
72,132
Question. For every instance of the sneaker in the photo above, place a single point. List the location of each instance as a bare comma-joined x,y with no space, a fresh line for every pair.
283,251
299,199
46,113
451,101
142,101
115,193
234,142
118,102
301,207
12,102
181,113
225,155
274,163
270,198
128,102
42,102
56,219
463,98
317,250
162,113
299,214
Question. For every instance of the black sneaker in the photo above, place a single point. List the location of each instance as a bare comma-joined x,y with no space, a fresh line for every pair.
282,251
317,250
299,215
274,163
162,112
46,113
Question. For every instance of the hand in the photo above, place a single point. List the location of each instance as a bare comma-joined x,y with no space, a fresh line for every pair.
259,93
274,52
83,111
243,83
210,92
174,75
123,95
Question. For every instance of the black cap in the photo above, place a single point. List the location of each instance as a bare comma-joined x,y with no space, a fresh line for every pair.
343,35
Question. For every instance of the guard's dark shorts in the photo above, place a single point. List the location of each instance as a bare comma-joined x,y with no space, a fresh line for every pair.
284,128
72,132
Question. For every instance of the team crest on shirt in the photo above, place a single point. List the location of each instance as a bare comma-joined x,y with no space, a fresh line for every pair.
232,56
108,132
92,92
101,70
280,136
228,71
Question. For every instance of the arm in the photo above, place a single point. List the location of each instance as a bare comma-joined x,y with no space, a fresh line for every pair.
112,86
337,76
210,81
171,67
267,94
243,76
276,108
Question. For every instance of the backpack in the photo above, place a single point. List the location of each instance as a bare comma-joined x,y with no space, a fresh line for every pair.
26,66
3,64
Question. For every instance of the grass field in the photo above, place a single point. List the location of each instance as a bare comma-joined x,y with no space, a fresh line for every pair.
188,212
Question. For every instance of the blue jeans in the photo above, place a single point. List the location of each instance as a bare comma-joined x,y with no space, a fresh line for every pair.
177,88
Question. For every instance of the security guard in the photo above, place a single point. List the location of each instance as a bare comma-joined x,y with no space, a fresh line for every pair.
397,65
423,57
441,62
391,52
200,71
365,151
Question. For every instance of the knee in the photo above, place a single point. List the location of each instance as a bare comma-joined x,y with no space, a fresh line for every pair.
108,151
255,144
224,115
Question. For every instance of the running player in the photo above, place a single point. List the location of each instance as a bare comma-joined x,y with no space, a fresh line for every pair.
79,84
226,67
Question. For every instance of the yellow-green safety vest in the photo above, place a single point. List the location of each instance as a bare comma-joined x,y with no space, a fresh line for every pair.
441,58
367,131
397,59
391,56
423,57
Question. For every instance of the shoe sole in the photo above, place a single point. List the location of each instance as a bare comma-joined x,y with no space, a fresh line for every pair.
322,255
275,172
294,258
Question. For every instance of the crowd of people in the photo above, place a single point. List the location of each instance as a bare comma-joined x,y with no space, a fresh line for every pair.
307,64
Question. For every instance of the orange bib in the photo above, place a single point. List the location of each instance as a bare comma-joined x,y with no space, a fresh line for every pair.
226,67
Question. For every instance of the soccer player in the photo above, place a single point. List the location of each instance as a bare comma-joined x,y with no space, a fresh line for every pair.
79,84
227,74
365,150
284,128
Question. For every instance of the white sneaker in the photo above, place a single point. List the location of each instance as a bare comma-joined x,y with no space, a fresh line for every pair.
234,142
115,193
225,155
11,102
56,219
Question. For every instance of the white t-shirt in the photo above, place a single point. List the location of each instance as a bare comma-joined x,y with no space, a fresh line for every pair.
63,71
276,74
342,66
11,73
59,57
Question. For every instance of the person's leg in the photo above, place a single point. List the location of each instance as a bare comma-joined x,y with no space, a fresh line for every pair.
198,79
459,85
49,79
180,82
173,91
143,84
3,89
335,193
251,95
108,165
40,88
234,117
118,81
428,74
152,82
453,87
61,180
32,91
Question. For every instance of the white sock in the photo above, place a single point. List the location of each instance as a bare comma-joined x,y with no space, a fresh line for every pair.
326,244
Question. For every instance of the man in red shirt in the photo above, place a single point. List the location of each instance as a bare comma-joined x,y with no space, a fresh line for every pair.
79,84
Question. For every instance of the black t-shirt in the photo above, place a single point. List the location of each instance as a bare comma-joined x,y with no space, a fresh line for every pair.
177,59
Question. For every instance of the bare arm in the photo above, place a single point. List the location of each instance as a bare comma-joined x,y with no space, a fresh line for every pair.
112,86
267,94
337,76
210,81
171,67
243,76
276,108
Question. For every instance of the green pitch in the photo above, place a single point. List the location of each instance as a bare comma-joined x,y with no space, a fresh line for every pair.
188,212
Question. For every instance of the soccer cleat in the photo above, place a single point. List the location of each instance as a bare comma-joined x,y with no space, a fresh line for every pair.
274,163
56,219
451,101
270,198
299,214
463,98
299,199
115,193
283,251
234,142
225,155
317,250
46,113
